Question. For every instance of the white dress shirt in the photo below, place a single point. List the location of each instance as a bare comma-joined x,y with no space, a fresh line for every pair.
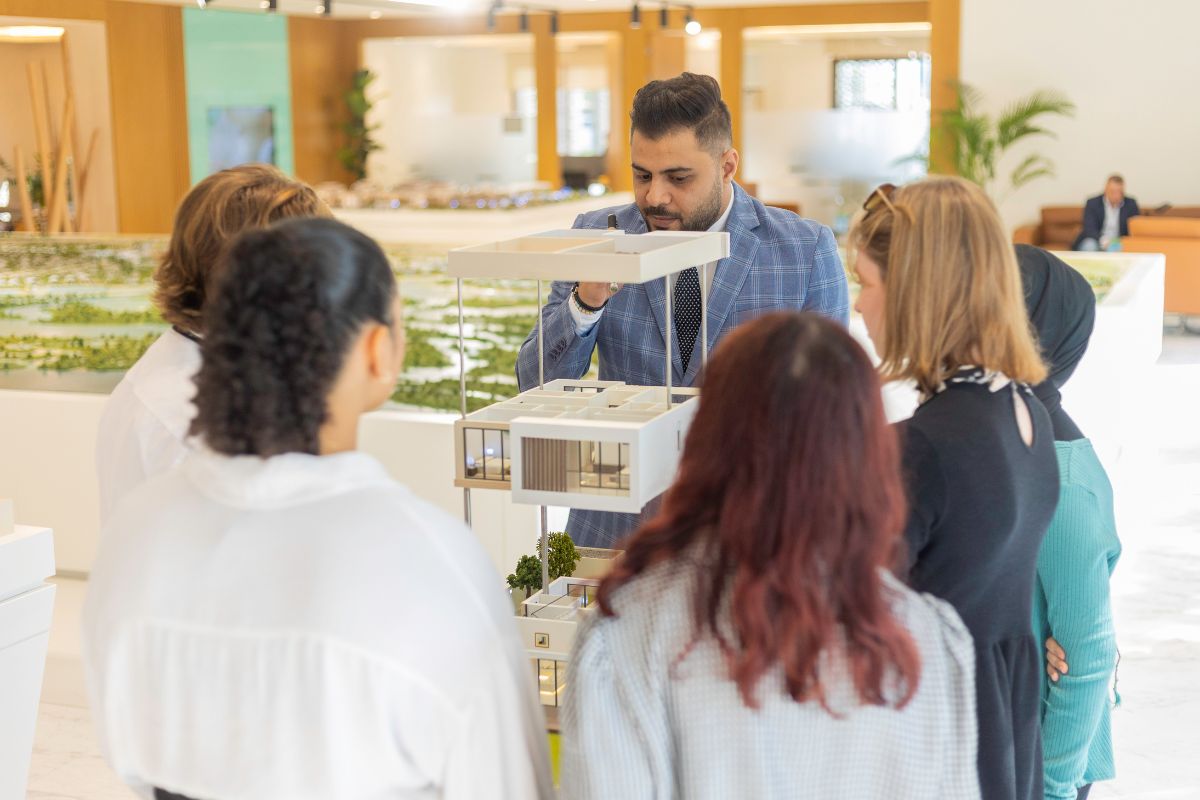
305,627
584,321
1112,223
143,430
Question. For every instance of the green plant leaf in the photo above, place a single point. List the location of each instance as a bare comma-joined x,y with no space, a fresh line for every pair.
1016,121
1032,167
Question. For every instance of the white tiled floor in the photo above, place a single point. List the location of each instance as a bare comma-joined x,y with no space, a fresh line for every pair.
1156,593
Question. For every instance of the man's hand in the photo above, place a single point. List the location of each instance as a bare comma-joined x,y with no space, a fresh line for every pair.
596,294
1056,659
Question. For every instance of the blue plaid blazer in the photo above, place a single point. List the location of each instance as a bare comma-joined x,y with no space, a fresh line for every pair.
777,261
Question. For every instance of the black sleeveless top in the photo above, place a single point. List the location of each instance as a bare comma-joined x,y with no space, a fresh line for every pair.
980,504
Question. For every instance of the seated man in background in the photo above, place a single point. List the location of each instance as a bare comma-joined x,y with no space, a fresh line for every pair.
1106,216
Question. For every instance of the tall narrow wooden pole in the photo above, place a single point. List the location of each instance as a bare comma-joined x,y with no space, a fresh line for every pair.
85,169
59,219
27,223
37,98
70,136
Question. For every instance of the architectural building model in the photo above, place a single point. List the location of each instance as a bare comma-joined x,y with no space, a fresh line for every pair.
547,624
601,445
598,445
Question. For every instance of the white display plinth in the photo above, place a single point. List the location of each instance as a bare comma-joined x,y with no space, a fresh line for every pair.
26,609
589,255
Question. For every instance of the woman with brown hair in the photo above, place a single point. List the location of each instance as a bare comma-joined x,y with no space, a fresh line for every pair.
941,297
144,426
753,642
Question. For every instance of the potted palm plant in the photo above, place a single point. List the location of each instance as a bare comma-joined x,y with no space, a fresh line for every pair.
978,142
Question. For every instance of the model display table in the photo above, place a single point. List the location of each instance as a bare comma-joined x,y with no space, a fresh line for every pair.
26,608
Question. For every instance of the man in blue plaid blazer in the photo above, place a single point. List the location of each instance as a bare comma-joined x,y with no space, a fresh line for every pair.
683,165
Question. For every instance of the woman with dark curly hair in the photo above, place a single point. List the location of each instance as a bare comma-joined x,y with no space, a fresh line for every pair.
277,617
144,428
753,643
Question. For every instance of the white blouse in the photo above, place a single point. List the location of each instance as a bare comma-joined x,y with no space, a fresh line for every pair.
143,431
305,627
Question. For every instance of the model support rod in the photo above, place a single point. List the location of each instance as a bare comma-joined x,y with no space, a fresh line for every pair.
667,312
462,388
545,548
541,340
703,275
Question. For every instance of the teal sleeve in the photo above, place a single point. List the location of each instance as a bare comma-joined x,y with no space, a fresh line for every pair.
1073,574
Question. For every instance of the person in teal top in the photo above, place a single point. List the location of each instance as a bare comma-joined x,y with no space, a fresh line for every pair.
1081,548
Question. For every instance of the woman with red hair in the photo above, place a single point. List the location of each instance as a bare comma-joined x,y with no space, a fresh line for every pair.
753,642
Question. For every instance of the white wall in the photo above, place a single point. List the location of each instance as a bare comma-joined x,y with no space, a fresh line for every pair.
442,106
1130,67
797,147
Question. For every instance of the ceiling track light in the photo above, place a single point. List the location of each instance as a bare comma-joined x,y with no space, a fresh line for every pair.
664,16
328,8
269,5
553,23
691,25
491,15
525,20
635,16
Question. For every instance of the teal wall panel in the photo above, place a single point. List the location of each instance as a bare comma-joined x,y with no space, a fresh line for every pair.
235,60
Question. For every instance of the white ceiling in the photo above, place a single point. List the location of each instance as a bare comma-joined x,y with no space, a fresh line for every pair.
363,9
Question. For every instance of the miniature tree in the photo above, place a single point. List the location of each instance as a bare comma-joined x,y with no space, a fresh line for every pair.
527,576
563,555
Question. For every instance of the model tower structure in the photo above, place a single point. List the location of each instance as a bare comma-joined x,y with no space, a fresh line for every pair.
598,445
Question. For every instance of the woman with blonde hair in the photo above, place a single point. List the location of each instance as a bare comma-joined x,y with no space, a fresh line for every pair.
143,430
941,297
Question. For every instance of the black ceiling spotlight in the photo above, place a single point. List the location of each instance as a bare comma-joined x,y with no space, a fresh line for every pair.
269,5
525,20
328,8
664,16
491,15
691,25
553,23
635,16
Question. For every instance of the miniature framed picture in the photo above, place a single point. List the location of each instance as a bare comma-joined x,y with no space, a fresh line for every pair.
541,640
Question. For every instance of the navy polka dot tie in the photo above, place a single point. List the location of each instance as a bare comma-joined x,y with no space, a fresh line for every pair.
686,305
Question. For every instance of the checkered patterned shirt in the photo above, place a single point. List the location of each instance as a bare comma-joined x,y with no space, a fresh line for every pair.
636,725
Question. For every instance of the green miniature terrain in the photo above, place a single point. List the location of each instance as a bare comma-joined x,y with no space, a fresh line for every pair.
76,313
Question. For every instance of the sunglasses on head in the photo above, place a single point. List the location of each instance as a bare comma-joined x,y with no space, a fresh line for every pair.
882,196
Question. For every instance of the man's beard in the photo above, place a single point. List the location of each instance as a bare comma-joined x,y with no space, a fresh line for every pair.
701,219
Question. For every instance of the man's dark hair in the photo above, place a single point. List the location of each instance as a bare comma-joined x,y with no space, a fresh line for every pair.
687,101
1117,179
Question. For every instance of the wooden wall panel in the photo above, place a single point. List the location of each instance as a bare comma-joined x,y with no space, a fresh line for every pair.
545,60
63,9
149,107
944,56
323,60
